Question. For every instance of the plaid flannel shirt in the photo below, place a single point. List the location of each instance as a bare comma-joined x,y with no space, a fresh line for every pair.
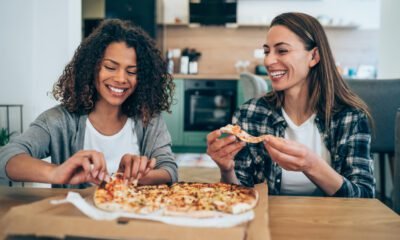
348,141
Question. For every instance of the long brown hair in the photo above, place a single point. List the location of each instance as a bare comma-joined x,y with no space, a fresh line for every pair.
328,92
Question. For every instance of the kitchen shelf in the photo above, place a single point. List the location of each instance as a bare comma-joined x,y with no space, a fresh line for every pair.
173,24
249,25
341,26
207,76
325,26
263,26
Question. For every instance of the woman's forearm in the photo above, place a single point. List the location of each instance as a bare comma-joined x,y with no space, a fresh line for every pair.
325,177
229,177
24,168
156,176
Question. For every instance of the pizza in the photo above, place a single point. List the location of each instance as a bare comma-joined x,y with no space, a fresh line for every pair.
208,199
197,200
242,135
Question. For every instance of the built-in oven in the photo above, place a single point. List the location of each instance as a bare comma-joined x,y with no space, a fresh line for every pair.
209,104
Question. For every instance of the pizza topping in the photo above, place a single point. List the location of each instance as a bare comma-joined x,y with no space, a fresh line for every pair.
180,199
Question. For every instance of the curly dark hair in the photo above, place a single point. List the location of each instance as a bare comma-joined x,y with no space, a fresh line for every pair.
76,90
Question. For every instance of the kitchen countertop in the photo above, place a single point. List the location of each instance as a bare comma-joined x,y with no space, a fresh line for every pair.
207,76
214,76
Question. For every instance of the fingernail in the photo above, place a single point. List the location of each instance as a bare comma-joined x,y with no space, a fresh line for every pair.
126,181
139,176
107,178
135,182
101,176
95,173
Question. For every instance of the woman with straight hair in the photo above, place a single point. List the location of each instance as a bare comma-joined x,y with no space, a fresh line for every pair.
318,132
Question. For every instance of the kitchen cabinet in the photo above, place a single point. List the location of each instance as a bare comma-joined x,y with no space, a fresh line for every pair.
183,141
195,139
145,16
174,120
334,14
174,12
240,97
187,141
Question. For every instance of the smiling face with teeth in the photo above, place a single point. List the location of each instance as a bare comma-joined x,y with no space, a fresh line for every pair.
117,77
287,60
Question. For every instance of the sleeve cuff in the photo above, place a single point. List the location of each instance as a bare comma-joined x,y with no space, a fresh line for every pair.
342,192
3,163
173,172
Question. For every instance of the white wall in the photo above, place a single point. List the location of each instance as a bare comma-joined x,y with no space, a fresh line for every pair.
364,13
38,38
389,39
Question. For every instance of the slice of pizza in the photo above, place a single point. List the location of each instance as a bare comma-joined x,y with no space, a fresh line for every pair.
111,196
242,135
117,196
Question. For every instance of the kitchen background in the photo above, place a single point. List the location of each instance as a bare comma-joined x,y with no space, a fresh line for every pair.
353,34
40,36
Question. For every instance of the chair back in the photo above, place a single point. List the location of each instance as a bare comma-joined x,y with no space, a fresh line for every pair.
396,177
253,85
383,99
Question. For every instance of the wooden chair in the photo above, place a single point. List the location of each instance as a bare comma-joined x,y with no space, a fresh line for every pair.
253,85
383,99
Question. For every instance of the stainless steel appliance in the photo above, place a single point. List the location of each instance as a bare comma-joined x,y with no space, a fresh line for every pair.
209,104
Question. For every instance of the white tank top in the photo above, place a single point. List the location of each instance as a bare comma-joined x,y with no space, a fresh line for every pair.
113,147
296,183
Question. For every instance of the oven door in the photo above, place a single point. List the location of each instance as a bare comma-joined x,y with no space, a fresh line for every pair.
208,109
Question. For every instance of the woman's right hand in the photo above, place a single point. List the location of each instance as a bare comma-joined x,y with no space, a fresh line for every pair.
83,166
223,150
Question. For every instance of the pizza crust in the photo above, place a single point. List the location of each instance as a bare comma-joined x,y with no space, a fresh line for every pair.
244,207
192,214
241,134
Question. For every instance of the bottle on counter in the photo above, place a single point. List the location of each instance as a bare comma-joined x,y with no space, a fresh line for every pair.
193,67
176,56
184,61
184,65
170,62
194,56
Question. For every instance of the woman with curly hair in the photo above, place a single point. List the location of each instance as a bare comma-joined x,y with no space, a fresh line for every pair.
112,94
318,132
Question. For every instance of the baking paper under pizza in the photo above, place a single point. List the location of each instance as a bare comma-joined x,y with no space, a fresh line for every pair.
198,200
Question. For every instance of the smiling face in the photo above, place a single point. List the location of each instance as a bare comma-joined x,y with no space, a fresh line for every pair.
286,59
117,77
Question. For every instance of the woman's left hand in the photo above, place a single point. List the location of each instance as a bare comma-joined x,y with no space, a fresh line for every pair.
135,167
290,155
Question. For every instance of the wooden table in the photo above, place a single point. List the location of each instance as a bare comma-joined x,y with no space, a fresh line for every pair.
289,217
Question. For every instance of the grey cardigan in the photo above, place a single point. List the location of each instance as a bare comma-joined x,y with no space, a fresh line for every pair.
60,134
